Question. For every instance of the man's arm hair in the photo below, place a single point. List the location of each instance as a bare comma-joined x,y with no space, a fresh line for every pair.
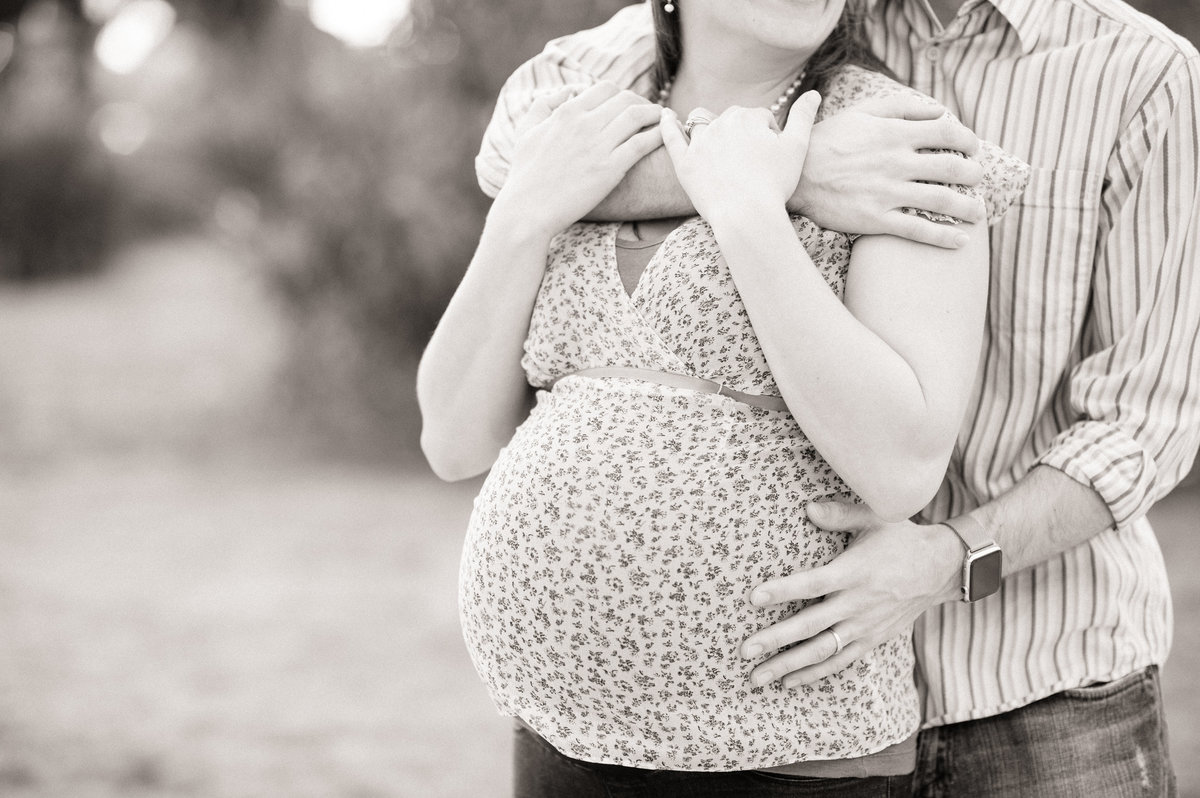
1043,515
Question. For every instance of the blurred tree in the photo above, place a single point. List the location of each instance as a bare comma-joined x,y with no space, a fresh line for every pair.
361,164
10,10
349,171
57,201
243,18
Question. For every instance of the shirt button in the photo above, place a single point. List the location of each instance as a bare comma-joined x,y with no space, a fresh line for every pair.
933,53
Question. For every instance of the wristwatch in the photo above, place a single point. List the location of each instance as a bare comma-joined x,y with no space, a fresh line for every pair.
983,562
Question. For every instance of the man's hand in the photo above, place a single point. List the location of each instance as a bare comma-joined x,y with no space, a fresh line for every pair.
866,164
886,578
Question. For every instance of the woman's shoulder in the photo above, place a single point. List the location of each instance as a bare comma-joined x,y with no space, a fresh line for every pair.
851,85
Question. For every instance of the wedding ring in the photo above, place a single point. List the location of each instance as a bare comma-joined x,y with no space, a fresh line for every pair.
837,639
696,118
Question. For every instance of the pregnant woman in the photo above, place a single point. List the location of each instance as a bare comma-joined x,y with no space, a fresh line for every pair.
694,383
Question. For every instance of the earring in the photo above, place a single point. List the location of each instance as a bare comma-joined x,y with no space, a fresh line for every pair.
669,7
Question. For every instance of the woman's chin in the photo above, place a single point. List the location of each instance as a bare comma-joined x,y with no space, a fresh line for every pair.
798,26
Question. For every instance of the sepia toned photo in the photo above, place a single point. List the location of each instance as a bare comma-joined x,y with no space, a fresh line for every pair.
440,398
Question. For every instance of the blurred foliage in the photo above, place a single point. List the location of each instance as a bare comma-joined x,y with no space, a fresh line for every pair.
349,172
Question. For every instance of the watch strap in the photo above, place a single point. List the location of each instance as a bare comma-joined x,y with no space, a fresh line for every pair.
971,533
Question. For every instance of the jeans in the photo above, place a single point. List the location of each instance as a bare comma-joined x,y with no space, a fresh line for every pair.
1100,741
540,771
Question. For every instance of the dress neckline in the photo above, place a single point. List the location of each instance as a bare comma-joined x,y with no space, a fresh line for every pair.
613,242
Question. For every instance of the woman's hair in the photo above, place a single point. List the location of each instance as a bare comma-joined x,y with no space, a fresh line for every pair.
847,45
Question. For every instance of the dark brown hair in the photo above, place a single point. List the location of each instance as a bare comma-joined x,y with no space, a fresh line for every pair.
847,45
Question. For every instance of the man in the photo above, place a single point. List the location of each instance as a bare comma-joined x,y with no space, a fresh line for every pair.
1087,406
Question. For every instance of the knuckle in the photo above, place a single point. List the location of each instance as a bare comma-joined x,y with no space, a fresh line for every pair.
632,98
821,582
968,209
911,226
796,658
945,130
768,640
949,169
570,109
646,114
938,236
780,589
964,140
972,171
627,114
958,204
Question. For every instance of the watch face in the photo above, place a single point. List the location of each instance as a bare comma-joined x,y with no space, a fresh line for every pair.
984,577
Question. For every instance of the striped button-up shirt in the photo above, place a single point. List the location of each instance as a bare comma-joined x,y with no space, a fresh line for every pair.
1091,360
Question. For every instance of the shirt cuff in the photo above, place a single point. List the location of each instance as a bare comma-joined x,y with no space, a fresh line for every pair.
491,174
1112,463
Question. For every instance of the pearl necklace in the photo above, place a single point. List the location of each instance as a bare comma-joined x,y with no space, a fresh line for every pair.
664,94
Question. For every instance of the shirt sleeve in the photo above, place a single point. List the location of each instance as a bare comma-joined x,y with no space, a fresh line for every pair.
620,50
1136,394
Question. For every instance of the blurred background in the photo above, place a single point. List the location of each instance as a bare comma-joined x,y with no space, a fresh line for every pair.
227,228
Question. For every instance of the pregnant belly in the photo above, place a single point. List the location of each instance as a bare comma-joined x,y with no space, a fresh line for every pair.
611,551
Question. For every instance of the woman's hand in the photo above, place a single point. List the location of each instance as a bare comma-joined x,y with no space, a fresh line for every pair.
742,156
574,152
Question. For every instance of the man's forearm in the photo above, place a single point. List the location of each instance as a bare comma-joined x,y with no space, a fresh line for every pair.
650,190
1043,515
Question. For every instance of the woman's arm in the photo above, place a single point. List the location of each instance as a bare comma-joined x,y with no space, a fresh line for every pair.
470,386
878,383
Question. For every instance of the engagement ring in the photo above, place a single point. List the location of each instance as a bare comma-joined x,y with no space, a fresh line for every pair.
697,118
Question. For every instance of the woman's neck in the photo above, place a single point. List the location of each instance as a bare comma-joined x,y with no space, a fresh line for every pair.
729,74
715,90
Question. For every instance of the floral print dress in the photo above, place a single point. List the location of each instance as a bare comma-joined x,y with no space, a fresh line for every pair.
604,579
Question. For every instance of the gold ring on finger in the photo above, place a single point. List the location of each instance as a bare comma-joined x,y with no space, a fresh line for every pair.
837,640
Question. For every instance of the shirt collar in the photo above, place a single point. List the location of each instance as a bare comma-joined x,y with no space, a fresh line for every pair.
1025,17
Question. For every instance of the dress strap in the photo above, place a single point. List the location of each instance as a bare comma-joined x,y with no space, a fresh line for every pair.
675,380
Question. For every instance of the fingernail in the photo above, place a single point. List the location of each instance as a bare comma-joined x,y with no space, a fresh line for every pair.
752,650
792,682
760,597
762,678
961,240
